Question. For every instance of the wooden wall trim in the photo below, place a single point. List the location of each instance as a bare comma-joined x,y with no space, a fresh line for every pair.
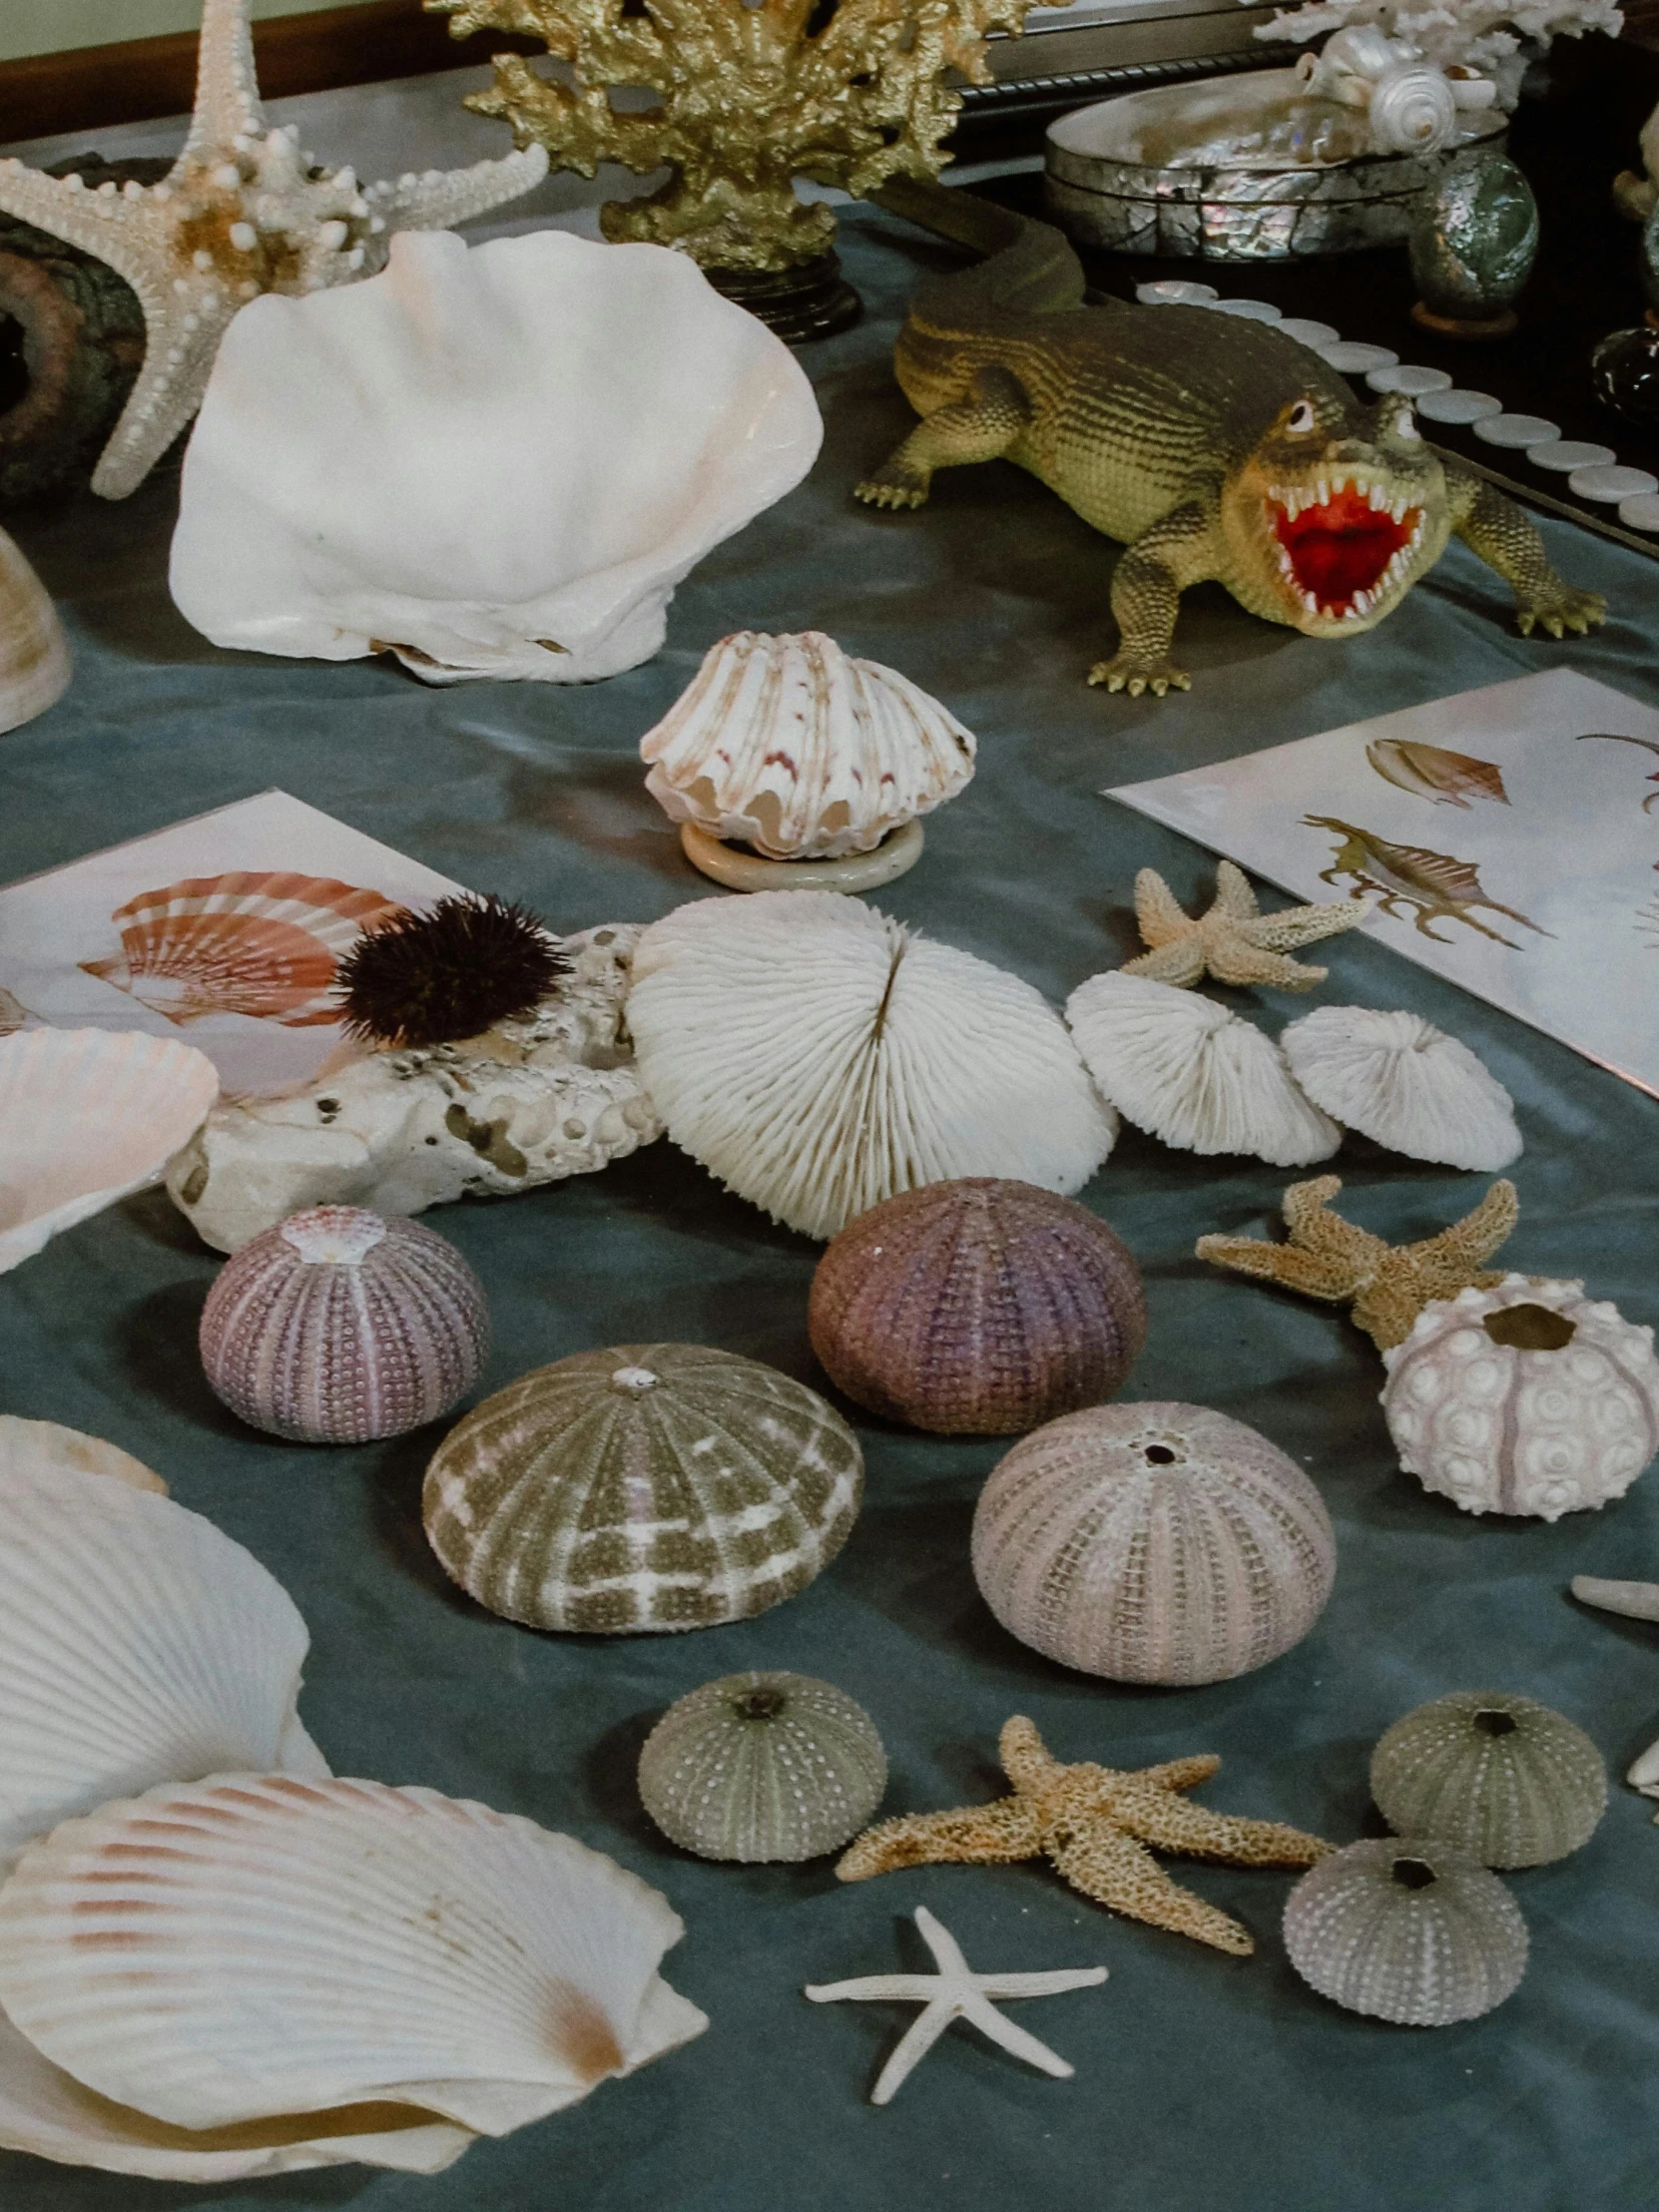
91,88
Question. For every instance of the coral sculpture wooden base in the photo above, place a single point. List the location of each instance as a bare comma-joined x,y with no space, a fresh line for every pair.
741,869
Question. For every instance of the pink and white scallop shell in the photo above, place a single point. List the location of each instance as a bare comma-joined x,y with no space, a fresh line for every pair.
340,1326
1527,1398
259,941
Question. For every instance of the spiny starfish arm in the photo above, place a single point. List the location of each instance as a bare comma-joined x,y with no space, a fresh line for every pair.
127,232
1240,961
1294,925
1473,1239
1234,896
1285,1264
1159,915
440,199
1306,1208
1411,1276
979,1835
176,364
226,88
1114,1869
1169,1822
1181,1774
1027,1759
1387,1308
1180,962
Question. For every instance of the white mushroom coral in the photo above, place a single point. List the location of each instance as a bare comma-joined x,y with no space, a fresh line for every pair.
817,1057
1406,1084
1193,1074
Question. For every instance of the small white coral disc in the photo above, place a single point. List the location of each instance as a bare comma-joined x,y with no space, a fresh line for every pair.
1405,1084
260,1944
817,1057
1193,1074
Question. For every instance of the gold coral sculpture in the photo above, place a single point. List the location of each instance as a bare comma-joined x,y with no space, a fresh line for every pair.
844,92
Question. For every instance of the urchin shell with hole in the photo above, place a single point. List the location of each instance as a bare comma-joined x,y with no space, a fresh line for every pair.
762,1768
1504,1777
1528,1398
1408,1930
1157,1543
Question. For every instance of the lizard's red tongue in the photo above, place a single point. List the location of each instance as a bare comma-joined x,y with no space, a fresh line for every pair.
1342,547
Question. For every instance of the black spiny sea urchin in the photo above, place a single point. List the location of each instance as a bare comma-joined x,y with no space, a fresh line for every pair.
453,972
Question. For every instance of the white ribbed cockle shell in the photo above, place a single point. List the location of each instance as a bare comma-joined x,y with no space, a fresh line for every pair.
34,652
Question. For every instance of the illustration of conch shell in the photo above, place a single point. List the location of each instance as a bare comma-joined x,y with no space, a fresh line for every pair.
1448,778
1434,887
261,942
492,461
791,745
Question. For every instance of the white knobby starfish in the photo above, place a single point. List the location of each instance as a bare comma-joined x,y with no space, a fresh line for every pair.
242,212
1637,1601
957,1993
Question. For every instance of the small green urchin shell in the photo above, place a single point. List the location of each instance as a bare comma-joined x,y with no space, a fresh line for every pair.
643,1489
1507,1778
763,1766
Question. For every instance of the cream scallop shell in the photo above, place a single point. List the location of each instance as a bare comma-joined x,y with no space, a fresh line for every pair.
138,1644
818,1058
34,652
89,1115
1193,1074
38,1445
1405,1084
791,745
258,1945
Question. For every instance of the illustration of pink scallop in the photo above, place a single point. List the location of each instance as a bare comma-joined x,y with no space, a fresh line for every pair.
262,941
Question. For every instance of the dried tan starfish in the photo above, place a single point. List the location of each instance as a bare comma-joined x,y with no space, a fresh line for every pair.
1233,940
1388,1285
1099,1827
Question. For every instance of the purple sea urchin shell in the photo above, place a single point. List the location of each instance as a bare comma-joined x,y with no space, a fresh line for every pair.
340,1326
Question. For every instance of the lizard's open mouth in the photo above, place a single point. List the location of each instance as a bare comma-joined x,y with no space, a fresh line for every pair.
1342,543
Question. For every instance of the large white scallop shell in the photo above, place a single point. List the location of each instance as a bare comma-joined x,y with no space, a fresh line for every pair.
817,1057
258,1945
1193,1074
34,652
493,461
37,1445
138,1644
89,1115
791,745
1405,1084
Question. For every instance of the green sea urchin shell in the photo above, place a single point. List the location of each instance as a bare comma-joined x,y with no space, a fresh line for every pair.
647,1487
1407,1928
763,1766
1505,1778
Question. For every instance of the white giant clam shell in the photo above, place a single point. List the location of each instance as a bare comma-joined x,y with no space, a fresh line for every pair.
1405,1084
1193,1074
493,461
89,1115
791,745
257,1945
138,1644
34,652
817,1057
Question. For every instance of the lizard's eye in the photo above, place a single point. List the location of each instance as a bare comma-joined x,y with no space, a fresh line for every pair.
1406,424
1300,418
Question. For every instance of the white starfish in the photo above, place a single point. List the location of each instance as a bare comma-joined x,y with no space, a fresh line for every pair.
1637,1601
956,1993
242,212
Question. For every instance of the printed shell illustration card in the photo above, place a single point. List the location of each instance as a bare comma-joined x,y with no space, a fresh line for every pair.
223,931
1507,839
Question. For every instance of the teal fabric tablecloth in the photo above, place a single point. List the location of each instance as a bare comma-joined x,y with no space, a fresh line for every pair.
1204,2085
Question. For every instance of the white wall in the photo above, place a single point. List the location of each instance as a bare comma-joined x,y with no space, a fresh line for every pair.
50,26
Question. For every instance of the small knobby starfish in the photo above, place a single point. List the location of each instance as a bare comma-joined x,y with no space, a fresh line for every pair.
1387,1284
955,1993
1233,940
1098,1825
242,212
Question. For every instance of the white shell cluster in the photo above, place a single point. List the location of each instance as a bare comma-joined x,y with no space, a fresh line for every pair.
1405,1084
817,1057
89,1115
791,745
1527,1397
493,461
34,652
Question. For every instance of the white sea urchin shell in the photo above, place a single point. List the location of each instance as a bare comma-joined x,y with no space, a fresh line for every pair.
1193,1074
258,1945
791,745
818,1058
1405,1084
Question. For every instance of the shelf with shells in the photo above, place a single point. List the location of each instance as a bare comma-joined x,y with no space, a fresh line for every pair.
788,765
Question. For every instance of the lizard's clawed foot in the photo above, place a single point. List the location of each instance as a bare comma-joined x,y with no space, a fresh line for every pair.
1135,673
1560,607
892,490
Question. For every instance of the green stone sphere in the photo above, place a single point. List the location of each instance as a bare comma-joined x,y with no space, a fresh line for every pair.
1507,1778
762,1768
643,1489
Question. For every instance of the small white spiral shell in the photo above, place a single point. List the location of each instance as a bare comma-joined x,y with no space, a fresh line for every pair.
1413,111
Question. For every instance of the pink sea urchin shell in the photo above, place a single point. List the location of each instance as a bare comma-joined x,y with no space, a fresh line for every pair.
340,1324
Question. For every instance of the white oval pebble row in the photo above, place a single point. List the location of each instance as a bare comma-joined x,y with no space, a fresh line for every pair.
1592,471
